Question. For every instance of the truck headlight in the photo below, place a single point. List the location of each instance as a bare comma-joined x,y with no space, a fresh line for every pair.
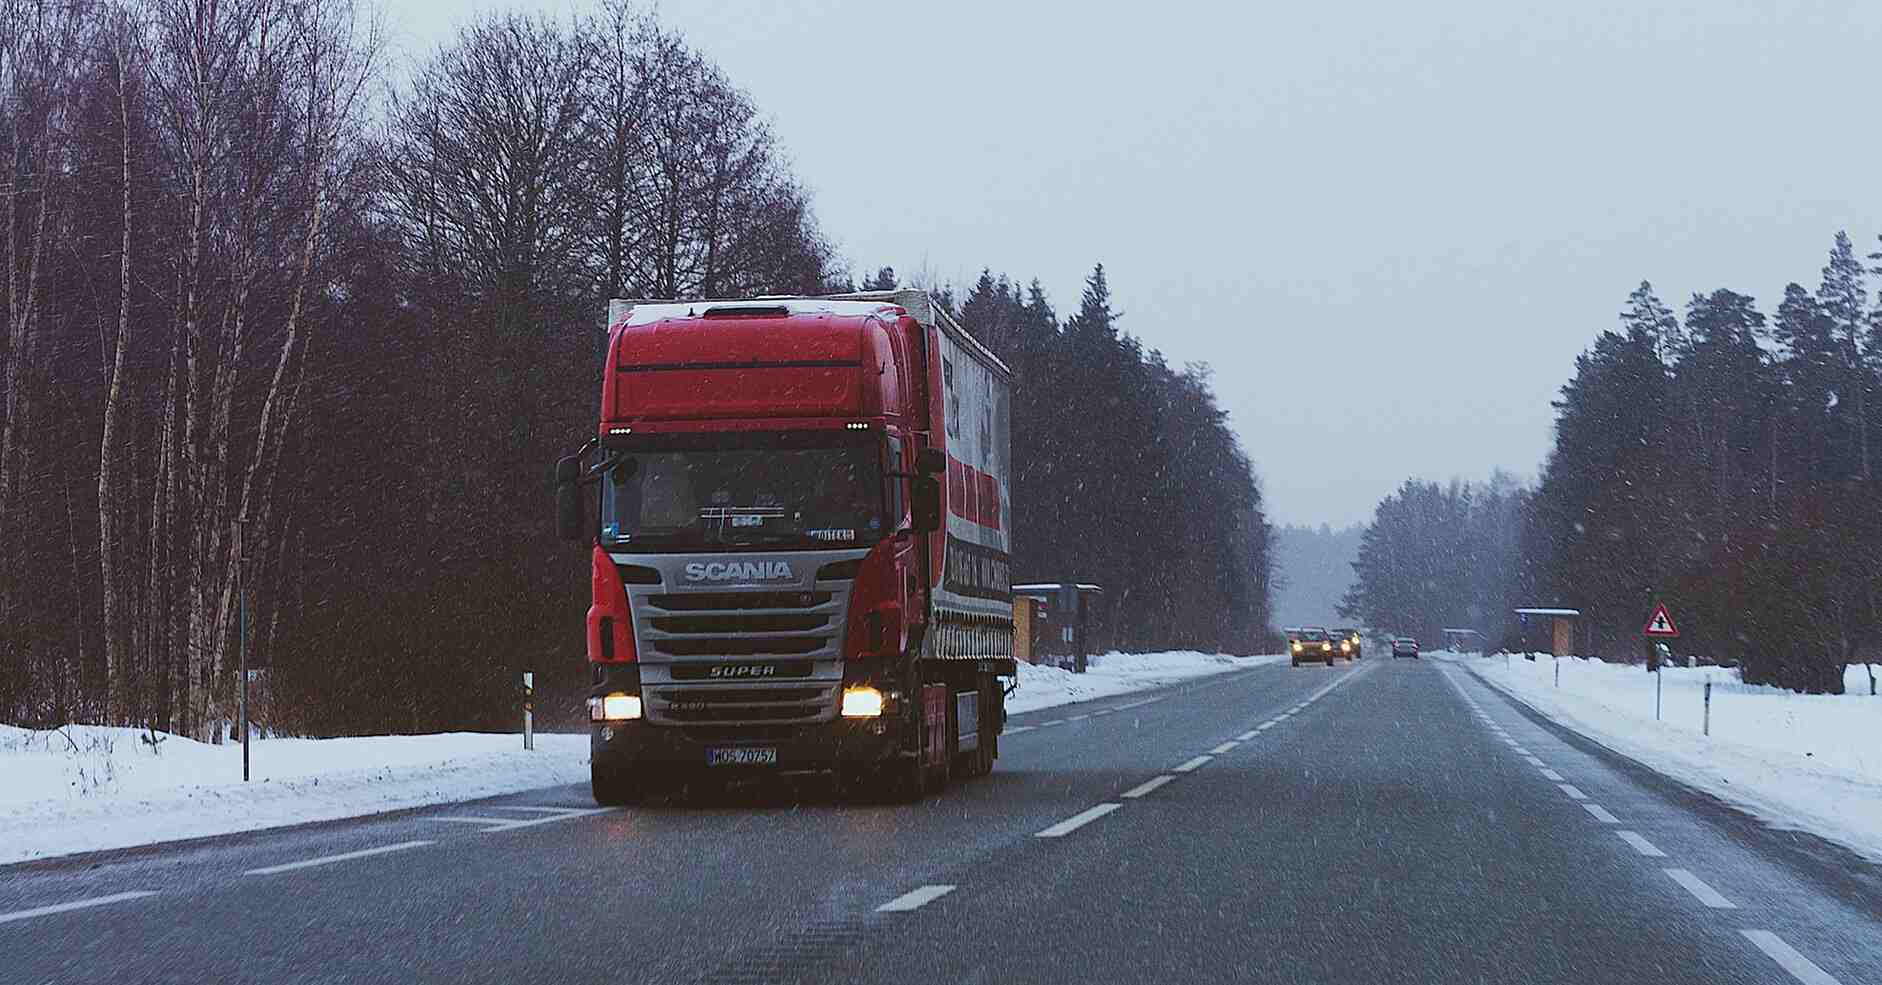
616,707
1346,647
862,702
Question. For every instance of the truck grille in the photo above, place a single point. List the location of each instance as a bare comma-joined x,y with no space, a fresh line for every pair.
717,705
793,631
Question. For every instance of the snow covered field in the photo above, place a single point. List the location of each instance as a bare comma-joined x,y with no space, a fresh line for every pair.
89,788
1810,762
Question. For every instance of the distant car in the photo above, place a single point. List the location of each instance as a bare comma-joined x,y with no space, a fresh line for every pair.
1404,646
1349,643
1311,643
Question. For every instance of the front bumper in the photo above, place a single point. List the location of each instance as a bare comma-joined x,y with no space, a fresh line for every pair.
839,744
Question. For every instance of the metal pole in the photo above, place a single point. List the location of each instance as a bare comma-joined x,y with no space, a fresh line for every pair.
529,711
241,594
1656,695
1708,724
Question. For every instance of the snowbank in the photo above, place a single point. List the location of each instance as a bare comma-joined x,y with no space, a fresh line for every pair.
1119,673
1809,762
90,788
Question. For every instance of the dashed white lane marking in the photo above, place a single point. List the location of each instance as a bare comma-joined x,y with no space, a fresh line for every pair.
1574,792
1601,813
1533,761
1078,718
914,899
1801,968
1250,734
1077,821
1520,751
1146,787
1551,774
1193,764
330,859
1224,748
80,904
1704,893
1017,729
1641,845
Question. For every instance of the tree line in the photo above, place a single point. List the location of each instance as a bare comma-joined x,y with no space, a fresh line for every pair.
274,337
1722,460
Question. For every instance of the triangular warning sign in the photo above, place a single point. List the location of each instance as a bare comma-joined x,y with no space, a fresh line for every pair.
1661,624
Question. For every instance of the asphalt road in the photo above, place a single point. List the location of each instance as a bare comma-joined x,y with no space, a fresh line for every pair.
1379,822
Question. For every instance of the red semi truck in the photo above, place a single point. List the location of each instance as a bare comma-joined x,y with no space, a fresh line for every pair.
801,555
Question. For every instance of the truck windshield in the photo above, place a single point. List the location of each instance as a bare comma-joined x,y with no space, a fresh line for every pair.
707,492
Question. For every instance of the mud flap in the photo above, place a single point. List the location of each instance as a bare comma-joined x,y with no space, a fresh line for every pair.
967,719
934,713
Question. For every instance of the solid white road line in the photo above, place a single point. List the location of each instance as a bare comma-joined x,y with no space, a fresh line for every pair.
82,904
1077,821
1801,968
1601,813
510,824
1192,765
1704,893
1225,748
1551,774
1245,736
1573,791
1017,729
1078,718
1641,845
1055,721
914,899
1264,726
1144,788
1103,711
330,859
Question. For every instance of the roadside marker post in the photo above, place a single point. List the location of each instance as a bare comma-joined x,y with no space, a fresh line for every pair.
1558,671
529,711
1708,718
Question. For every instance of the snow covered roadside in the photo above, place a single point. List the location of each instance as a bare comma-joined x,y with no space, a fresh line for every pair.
89,788
1120,673
1805,762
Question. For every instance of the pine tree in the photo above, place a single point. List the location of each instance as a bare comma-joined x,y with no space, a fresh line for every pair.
1844,299
1647,314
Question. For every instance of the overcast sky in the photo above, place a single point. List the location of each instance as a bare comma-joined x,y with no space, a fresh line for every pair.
1390,227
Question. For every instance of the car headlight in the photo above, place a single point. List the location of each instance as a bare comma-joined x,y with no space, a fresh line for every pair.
862,702
616,707
1347,647
1296,644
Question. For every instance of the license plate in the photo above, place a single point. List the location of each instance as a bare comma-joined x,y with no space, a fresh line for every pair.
743,756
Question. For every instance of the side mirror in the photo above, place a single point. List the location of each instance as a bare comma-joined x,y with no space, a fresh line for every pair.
924,503
568,498
931,461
